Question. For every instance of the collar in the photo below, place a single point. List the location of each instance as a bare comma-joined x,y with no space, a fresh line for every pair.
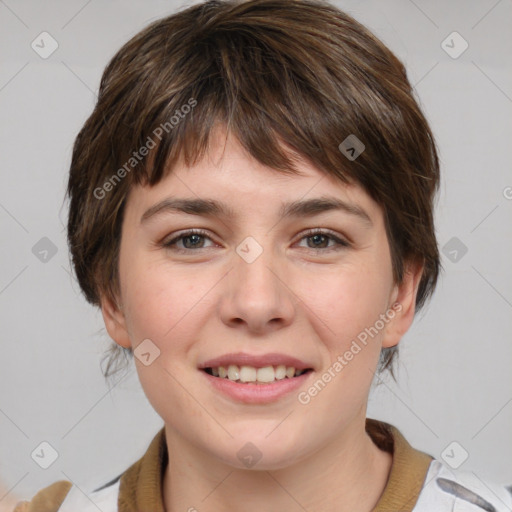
141,484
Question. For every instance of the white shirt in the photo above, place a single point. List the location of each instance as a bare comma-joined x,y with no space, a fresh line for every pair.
444,490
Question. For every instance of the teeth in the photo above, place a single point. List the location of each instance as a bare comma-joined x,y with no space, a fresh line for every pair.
280,372
258,375
247,374
233,372
266,374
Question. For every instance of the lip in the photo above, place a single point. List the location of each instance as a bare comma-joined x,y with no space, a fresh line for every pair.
256,393
257,361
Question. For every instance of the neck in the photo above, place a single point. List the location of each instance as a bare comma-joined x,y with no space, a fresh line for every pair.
349,473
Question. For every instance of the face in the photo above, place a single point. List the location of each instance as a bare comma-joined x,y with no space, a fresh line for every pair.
315,285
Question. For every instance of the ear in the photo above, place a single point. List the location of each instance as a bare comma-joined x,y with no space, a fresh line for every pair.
403,304
115,321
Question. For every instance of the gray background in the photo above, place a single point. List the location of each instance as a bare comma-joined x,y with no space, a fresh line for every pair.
454,379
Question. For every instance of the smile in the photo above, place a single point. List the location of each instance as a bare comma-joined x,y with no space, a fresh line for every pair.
251,374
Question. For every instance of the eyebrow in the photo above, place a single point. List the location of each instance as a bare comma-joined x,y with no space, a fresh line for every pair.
214,208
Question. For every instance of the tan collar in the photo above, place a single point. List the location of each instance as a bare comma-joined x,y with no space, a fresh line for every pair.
141,484
408,470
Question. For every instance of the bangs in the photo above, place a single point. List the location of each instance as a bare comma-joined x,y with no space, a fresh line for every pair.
281,104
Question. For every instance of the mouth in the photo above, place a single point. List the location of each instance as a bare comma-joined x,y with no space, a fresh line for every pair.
256,378
255,375
255,385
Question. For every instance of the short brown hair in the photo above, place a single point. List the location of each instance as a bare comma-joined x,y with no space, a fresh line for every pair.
300,72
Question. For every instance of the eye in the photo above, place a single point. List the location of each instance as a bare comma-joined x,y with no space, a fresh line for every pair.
195,239
320,237
191,240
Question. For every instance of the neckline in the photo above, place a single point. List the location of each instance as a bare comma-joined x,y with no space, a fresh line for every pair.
141,485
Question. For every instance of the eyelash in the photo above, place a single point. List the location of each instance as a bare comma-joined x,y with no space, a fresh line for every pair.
308,234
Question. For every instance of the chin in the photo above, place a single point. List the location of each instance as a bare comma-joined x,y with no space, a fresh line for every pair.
259,453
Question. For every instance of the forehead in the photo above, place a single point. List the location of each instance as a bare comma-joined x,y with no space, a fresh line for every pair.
239,185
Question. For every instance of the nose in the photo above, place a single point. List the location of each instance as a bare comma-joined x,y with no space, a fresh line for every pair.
257,295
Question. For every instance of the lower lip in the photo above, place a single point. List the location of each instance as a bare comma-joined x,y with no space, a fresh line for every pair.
257,393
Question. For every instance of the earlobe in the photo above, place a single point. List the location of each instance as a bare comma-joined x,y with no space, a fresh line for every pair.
403,304
115,322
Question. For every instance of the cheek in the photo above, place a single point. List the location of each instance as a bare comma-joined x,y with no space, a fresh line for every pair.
154,305
147,294
343,314
345,303
165,304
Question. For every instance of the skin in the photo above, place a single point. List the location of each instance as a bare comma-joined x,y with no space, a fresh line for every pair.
294,299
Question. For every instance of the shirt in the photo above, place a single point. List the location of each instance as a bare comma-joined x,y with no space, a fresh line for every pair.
417,483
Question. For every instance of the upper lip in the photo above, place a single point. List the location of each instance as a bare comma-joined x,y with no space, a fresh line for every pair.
258,361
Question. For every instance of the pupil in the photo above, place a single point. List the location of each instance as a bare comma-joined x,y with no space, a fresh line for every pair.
195,237
317,238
